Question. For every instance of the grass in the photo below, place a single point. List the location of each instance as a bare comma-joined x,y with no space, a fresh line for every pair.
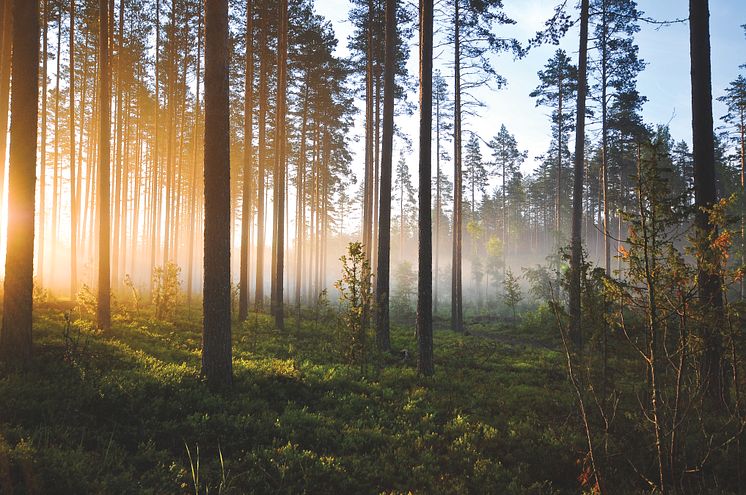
127,412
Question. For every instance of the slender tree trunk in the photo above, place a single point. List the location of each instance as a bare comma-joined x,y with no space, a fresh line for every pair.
425,274
248,130
73,188
280,168
383,339
120,204
368,185
436,271
560,147
43,150
260,181
705,193
457,312
156,206
300,198
742,127
216,331
56,166
576,246
15,335
195,164
649,231
103,313
376,161
605,138
6,44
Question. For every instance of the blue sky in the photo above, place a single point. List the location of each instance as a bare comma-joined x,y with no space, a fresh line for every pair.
665,81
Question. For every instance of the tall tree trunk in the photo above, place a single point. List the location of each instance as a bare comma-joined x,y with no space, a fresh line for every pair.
195,161
560,147
156,206
301,202
43,149
368,183
73,191
216,330
436,270
6,44
260,179
248,131
280,168
605,138
705,193
576,246
103,313
457,311
120,178
56,166
383,339
425,274
15,335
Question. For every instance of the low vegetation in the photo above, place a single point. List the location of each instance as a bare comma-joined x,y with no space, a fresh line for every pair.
127,412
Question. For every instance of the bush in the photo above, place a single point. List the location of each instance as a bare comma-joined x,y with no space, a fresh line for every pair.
356,298
166,289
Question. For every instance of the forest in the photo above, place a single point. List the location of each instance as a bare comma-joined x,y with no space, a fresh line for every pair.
305,247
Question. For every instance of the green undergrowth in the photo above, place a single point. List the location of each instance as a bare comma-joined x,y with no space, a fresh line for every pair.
127,412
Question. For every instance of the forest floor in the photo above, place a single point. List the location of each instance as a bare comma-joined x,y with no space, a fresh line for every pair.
127,412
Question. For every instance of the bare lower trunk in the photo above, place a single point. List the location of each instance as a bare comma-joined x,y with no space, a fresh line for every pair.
216,332
425,364
15,334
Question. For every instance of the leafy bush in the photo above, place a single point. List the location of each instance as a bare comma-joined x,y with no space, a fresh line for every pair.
166,289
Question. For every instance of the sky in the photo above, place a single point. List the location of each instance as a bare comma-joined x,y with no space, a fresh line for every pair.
665,81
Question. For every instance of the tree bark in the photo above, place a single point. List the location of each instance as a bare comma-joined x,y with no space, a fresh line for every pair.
383,339
103,312
705,193
15,336
73,188
195,161
248,129
280,169
260,180
216,330
156,203
425,271
6,45
457,312
576,246
368,184
43,150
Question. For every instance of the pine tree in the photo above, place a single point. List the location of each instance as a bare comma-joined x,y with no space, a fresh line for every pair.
557,90
216,331
383,339
425,364
473,41
278,239
243,305
103,312
443,114
15,334
576,247
705,191
615,91
475,173
508,159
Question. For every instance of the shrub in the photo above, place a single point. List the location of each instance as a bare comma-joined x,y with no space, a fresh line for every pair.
166,288
356,298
